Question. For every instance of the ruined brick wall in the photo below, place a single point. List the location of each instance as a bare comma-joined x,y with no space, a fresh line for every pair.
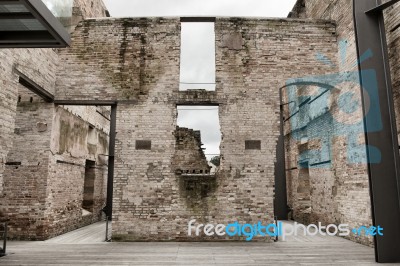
299,10
136,62
25,178
91,8
38,65
43,182
340,190
74,141
25,136
256,58
84,9
189,155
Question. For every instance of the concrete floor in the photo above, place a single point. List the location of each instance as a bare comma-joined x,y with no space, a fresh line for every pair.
89,250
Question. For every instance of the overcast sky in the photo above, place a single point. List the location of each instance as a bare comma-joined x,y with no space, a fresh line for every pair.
198,50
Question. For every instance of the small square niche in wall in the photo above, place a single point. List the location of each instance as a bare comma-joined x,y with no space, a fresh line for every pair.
143,144
253,144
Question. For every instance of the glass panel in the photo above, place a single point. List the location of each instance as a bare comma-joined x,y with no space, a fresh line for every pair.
13,9
21,25
60,8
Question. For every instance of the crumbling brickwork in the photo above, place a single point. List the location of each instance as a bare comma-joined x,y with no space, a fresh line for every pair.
37,64
135,62
189,155
33,183
340,189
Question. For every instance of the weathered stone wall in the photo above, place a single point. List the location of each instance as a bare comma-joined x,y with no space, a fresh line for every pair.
189,155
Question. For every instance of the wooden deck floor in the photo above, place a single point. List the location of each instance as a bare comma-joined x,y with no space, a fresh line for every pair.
296,251
95,233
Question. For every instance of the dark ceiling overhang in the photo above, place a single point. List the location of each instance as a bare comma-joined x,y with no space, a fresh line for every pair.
30,24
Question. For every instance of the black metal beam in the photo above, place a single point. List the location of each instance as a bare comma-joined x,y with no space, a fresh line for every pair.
26,37
383,176
382,7
34,87
85,102
111,162
280,198
198,19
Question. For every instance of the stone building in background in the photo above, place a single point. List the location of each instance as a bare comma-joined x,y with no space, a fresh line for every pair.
54,158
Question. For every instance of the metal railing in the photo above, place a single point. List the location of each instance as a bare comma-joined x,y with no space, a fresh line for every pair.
3,234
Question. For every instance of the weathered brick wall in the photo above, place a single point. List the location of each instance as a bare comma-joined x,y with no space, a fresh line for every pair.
340,194
84,9
25,179
254,59
29,145
189,155
91,8
115,65
37,64
73,144
43,181
138,60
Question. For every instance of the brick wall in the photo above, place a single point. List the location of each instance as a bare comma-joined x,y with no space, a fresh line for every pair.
74,142
37,64
25,178
138,60
189,155
25,142
341,194
270,52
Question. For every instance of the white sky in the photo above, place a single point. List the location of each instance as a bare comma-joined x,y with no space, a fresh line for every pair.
198,51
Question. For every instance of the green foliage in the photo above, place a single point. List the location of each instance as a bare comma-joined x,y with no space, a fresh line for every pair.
215,160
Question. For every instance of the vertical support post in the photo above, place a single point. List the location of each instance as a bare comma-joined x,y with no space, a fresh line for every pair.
5,238
111,159
280,199
383,176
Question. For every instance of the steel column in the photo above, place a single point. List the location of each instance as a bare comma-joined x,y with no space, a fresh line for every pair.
383,176
111,159
280,198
